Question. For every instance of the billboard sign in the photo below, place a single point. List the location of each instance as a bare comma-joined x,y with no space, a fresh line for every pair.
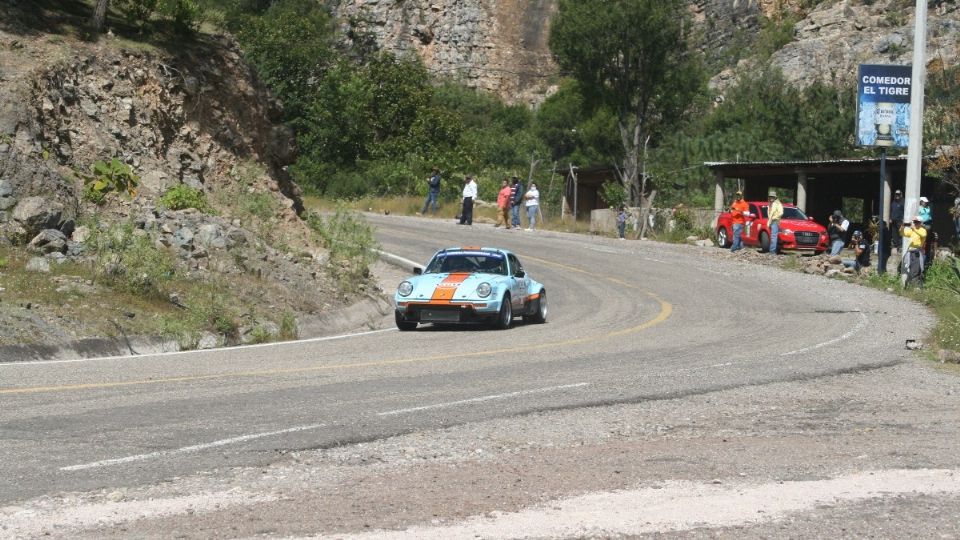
883,106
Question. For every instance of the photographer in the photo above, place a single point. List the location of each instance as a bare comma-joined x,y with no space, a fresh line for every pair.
913,258
837,230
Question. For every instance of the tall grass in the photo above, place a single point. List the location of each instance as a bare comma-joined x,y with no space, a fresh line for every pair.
350,242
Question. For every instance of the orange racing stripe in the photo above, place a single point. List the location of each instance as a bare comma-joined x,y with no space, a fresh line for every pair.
446,288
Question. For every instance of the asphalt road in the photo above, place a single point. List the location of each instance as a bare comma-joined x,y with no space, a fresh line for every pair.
630,323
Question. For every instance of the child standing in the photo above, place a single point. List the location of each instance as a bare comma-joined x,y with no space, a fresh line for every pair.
622,221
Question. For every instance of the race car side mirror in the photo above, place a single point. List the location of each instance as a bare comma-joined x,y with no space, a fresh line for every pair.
417,270
520,273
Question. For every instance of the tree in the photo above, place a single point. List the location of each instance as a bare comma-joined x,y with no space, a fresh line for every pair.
631,56
99,16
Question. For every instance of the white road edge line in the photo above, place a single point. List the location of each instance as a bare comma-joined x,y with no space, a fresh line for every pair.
483,398
860,326
187,449
219,349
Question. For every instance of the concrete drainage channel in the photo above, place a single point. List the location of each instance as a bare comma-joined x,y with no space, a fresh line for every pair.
367,313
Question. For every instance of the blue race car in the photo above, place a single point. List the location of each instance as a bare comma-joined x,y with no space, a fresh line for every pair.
470,284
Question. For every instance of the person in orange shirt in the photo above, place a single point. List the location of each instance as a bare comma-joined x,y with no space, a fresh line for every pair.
738,213
503,204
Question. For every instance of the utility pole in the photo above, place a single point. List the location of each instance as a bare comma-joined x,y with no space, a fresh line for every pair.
911,194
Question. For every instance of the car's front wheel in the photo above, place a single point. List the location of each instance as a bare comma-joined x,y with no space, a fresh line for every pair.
539,315
764,242
505,316
723,239
402,324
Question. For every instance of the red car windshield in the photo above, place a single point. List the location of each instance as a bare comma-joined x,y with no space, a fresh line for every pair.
789,212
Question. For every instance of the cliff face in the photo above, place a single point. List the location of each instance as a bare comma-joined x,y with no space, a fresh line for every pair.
501,45
495,45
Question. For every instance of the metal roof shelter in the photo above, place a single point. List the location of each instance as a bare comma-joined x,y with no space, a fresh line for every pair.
820,187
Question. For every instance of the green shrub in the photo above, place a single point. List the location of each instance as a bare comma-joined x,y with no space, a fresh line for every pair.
261,334
614,194
132,262
104,178
288,327
182,196
351,244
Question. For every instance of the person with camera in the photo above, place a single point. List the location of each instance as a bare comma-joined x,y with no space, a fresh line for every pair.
861,251
837,230
913,258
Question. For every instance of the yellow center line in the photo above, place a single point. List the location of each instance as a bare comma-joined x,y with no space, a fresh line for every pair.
666,309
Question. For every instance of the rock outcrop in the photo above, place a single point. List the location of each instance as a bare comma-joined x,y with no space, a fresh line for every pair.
501,45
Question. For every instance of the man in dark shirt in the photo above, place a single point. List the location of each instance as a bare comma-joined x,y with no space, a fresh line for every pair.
516,195
896,218
433,191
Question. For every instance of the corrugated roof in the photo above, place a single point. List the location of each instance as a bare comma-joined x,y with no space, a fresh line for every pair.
801,163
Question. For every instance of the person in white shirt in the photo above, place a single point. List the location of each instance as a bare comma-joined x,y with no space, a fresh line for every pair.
469,195
532,202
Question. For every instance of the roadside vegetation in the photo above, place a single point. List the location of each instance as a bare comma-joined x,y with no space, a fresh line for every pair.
371,125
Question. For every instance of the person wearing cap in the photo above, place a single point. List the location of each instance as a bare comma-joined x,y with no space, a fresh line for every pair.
774,215
896,216
913,258
837,229
925,212
861,251
469,195
738,212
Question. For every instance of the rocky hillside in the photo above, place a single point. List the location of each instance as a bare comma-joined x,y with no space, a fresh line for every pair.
501,45
190,116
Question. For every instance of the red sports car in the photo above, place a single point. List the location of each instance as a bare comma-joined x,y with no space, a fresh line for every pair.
797,231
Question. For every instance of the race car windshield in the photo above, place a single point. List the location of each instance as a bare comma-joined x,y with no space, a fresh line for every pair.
488,263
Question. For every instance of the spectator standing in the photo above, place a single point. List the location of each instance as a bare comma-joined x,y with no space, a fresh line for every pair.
913,258
532,198
837,229
469,195
516,197
861,250
896,217
622,222
503,204
433,191
774,215
925,211
738,210
955,214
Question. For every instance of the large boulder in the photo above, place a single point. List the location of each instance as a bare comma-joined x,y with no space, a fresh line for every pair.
49,241
35,214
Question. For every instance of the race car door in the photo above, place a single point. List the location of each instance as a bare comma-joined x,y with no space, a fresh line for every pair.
518,285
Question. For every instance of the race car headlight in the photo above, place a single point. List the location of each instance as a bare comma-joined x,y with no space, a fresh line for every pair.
405,288
484,290
787,231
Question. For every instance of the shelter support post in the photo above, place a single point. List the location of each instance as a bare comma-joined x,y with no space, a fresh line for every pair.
801,201
718,196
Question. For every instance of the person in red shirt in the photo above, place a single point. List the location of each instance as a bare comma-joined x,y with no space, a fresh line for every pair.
739,210
503,204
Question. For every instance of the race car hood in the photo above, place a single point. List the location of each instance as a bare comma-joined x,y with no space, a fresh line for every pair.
449,287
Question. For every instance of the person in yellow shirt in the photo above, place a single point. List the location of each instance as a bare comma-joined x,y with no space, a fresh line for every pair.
913,263
774,215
